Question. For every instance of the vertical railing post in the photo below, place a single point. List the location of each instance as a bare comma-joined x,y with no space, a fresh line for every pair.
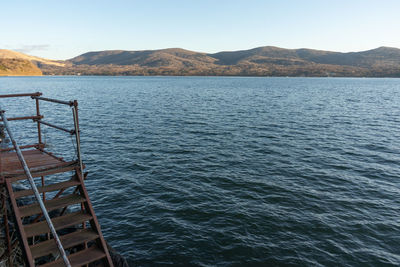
38,124
77,134
39,138
78,145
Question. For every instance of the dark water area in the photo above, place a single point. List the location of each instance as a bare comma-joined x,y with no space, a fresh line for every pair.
205,171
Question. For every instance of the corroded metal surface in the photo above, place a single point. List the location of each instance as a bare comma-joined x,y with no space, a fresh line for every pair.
85,244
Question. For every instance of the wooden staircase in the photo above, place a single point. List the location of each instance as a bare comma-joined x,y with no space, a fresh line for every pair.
84,245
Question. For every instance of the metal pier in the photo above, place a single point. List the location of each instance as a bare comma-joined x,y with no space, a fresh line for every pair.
49,235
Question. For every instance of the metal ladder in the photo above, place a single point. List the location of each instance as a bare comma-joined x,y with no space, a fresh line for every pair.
57,244
35,190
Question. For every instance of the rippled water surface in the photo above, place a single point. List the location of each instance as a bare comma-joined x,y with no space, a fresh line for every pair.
233,171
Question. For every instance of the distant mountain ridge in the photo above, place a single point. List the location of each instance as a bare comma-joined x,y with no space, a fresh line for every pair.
261,61
148,58
256,55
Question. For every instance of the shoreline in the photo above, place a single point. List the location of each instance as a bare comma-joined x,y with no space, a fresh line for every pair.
210,76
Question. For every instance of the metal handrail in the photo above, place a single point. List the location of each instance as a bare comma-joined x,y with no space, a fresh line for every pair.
55,126
21,95
74,105
39,146
69,103
35,190
24,118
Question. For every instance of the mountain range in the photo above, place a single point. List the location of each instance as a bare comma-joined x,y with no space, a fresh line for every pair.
261,61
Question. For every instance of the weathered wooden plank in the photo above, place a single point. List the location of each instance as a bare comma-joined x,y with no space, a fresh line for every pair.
29,210
80,258
61,222
69,240
47,188
40,171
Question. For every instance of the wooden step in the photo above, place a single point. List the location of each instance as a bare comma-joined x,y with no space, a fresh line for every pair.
68,241
53,204
64,167
47,188
61,222
80,258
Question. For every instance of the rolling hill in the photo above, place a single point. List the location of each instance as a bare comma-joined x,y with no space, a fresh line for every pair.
173,57
261,61
18,67
9,54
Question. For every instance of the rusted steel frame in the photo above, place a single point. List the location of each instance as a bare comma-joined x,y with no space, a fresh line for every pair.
7,229
69,165
24,118
77,134
93,222
51,154
38,124
84,224
40,141
35,190
68,103
65,208
22,147
17,215
38,217
43,193
44,199
76,190
55,126
20,95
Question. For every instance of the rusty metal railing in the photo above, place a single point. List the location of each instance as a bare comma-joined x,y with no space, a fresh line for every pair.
38,118
37,96
75,131
40,145
35,190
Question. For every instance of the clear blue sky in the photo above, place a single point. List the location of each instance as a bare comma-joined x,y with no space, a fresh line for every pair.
64,29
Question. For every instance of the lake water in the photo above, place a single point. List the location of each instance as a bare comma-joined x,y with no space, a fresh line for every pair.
235,171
